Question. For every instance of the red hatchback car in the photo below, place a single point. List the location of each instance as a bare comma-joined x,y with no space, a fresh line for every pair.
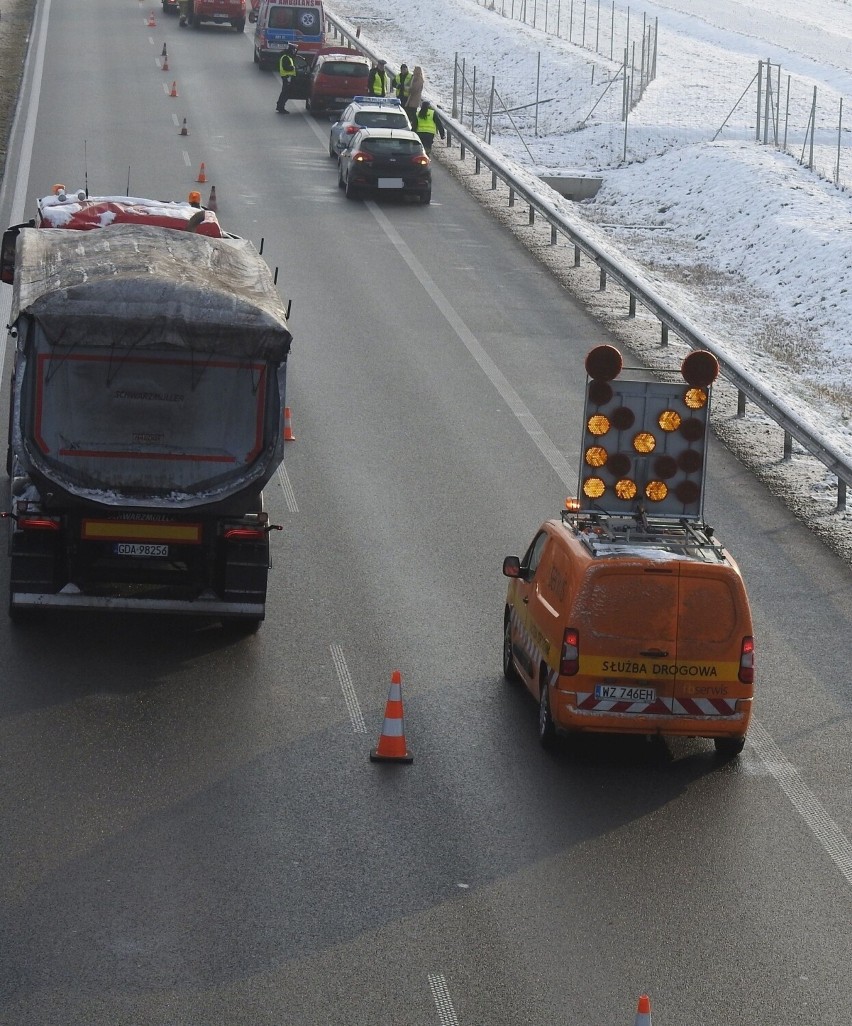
335,79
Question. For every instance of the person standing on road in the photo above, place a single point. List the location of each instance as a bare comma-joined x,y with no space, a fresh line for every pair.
378,81
415,96
287,71
402,84
428,123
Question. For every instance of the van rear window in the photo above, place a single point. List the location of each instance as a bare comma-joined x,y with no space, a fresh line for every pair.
632,606
707,609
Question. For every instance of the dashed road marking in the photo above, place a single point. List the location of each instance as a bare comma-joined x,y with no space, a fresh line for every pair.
443,1002
287,488
348,689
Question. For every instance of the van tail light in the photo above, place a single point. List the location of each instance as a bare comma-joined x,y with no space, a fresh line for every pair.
421,159
360,157
746,674
569,662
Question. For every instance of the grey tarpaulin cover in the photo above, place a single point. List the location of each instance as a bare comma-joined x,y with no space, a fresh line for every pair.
137,286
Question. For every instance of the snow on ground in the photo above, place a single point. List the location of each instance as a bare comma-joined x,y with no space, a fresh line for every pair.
755,248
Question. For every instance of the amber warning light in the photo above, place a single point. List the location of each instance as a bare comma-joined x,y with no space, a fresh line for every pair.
644,442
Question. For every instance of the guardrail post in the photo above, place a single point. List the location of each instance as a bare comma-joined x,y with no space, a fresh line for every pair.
511,197
631,312
664,333
449,138
462,150
477,167
603,280
741,401
841,495
493,179
532,215
553,235
576,256
788,446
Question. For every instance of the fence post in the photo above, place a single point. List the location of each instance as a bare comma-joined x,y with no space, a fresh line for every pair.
839,132
813,127
455,109
759,98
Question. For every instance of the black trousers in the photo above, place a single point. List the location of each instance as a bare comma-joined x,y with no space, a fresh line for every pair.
284,95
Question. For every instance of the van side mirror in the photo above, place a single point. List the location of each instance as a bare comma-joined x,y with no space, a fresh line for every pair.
511,566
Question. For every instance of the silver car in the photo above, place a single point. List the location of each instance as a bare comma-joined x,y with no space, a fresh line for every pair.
365,112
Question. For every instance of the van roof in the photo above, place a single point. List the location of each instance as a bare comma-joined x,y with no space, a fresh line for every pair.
609,537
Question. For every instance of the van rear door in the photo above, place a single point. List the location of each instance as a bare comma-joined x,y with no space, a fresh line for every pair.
712,623
627,619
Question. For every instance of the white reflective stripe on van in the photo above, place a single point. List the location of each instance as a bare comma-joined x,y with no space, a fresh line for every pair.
678,706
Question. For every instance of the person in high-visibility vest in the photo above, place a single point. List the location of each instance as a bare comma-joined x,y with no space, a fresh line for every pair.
428,123
378,81
287,71
402,84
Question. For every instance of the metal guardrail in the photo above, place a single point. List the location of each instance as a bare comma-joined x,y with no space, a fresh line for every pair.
535,195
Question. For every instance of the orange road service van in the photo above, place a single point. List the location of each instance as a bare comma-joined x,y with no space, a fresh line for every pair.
626,614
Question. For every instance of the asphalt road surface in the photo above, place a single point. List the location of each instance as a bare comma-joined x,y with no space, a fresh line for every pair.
190,828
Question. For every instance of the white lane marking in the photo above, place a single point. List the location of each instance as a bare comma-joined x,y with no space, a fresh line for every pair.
287,488
348,689
804,801
554,457
186,158
22,176
443,1002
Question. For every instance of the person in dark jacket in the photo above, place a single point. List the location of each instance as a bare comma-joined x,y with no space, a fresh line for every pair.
428,123
378,81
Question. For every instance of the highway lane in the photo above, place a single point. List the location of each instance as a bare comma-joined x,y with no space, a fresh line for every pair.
192,831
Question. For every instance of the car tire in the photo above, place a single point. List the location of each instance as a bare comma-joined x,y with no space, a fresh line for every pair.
239,25
340,182
510,671
308,103
728,747
546,726
426,197
332,153
351,191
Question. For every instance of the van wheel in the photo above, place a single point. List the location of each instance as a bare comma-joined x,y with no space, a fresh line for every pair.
546,726
510,671
728,747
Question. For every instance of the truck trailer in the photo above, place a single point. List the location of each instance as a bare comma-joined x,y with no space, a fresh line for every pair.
146,416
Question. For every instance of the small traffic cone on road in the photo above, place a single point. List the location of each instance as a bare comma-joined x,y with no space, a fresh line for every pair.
288,430
183,129
165,52
165,61
392,746
152,21
643,1012
202,174
212,204
173,91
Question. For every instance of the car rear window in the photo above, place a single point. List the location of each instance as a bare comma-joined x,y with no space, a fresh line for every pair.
381,119
397,147
342,69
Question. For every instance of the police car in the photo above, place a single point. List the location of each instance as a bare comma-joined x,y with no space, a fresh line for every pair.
365,112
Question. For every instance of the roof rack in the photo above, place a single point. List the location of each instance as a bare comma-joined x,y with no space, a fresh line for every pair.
608,534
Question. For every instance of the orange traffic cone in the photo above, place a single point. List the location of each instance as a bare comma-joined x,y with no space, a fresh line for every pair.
202,174
173,90
152,21
288,430
183,129
392,746
643,1012
165,62
211,203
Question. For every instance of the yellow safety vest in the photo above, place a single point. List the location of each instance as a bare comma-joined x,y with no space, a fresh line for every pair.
286,70
426,122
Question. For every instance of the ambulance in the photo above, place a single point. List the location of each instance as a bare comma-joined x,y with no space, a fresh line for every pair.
278,25
627,614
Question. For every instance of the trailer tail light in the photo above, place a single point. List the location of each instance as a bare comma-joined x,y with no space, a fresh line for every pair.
245,533
746,674
38,524
569,662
